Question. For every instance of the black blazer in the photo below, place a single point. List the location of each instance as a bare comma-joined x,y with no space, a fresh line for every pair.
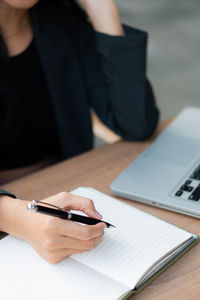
85,69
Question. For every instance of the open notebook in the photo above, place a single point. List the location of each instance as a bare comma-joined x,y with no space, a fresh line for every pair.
127,259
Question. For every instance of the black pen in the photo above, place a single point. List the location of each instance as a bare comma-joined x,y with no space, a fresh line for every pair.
59,213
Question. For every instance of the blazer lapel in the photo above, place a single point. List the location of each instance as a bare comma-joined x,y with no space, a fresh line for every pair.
63,75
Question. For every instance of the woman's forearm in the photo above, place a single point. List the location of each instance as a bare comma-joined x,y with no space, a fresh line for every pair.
104,16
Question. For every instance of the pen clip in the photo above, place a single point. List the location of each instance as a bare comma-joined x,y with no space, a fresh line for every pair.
33,205
48,204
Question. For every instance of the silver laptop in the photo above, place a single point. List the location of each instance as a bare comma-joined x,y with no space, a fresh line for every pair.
167,174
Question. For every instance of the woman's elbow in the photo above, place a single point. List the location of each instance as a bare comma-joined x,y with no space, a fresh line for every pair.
150,125
142,130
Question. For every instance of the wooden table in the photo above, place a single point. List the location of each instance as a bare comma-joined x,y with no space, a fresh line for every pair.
98,168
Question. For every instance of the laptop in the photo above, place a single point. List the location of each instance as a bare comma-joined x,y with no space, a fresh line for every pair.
167,174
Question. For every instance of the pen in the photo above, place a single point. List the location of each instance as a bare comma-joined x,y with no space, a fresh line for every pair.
34,207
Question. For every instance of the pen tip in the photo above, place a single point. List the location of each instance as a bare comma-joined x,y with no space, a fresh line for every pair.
112,226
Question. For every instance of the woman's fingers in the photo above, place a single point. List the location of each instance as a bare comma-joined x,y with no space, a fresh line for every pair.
55,257
69,201
56,243
78,231
55,252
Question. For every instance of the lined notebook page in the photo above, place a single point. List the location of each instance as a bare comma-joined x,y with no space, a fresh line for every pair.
137,242
25,275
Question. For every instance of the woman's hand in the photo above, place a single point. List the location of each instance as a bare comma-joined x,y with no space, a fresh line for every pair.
53,238
104,16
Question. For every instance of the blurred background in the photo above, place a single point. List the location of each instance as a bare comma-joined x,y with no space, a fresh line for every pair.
173,53
174,48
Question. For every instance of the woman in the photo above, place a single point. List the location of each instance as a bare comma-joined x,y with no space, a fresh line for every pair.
55,66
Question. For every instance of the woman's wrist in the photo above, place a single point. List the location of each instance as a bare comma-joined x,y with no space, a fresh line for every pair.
11,215
104,16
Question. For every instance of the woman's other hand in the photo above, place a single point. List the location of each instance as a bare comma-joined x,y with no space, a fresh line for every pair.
104,16
53,238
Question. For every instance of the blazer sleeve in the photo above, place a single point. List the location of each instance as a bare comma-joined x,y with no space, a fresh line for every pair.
114,71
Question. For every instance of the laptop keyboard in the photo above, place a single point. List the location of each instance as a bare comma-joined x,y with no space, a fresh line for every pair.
191,188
